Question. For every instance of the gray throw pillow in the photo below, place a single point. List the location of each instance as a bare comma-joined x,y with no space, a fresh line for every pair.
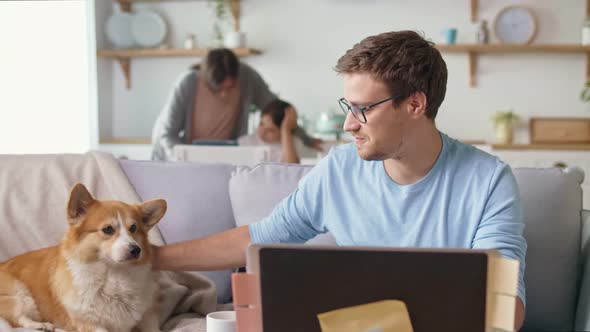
198,203
255,191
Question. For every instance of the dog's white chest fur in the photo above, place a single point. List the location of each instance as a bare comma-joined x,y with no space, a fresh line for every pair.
113,298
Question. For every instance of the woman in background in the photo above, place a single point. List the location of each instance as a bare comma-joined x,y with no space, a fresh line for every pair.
211,102
278,123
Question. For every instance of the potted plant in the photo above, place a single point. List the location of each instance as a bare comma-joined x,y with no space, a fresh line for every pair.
223,34
220,11
504,122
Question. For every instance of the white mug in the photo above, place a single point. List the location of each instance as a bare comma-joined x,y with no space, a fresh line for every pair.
221,321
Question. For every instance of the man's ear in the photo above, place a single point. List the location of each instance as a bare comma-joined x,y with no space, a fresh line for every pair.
152,211
417,104
78,204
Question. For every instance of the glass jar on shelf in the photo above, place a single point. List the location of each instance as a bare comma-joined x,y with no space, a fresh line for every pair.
483,34
190,41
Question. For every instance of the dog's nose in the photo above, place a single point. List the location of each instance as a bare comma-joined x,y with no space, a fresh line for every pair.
134,251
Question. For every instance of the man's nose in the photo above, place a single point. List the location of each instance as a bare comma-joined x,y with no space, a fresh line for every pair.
351,123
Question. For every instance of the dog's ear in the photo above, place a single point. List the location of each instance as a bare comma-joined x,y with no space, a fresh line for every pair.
153,211
78,204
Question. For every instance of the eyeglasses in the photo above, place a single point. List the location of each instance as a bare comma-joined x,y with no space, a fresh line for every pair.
359,112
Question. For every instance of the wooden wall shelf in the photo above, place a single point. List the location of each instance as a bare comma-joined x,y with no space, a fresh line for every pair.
124,56
474,50
125,140
514,48
560,147
473,12
168,52
474,6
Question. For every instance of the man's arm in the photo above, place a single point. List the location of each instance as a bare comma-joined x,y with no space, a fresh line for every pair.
171,121
502,226
261,94
216,252
290,221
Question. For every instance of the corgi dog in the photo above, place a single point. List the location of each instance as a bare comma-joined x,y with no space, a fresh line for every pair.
98,278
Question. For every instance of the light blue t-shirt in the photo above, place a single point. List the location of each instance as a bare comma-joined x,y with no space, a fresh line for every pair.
469,199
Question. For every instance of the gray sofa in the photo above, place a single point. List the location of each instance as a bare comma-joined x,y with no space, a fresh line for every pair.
204,199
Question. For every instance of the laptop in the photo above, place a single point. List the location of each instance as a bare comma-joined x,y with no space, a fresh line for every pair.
223,142
443,289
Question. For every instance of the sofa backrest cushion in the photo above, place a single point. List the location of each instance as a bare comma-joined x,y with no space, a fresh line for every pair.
255,191
198,203
552,205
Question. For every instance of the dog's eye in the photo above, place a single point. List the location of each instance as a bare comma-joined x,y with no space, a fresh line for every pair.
133,228
109,230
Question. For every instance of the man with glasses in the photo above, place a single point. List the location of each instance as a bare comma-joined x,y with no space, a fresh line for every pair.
402,183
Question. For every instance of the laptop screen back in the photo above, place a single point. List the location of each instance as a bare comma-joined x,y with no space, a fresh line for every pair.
443,292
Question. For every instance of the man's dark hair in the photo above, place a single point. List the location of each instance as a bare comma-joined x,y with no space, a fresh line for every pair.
404,61
276,110
218,65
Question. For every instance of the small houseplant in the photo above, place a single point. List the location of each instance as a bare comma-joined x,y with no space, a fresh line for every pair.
504,122
220,11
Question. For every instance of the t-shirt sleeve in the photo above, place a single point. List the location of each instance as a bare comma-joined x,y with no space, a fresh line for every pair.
502,223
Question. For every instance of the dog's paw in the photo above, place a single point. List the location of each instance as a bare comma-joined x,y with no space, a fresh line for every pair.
48,327
31,324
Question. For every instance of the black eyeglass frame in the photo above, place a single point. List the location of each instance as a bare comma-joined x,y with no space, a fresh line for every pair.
345,107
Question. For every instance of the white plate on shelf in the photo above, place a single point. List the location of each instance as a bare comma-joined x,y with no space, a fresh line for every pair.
118,30
148,29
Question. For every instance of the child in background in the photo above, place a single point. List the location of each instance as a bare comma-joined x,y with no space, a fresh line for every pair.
277,128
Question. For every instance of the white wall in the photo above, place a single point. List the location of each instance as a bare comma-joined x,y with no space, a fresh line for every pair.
303,39
43,77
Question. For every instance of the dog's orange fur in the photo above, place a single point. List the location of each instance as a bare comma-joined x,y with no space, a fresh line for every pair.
46,275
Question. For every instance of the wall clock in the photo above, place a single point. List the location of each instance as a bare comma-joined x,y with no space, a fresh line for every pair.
515,25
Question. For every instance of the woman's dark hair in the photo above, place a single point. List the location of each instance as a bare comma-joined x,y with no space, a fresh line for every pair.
276,110
218,65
